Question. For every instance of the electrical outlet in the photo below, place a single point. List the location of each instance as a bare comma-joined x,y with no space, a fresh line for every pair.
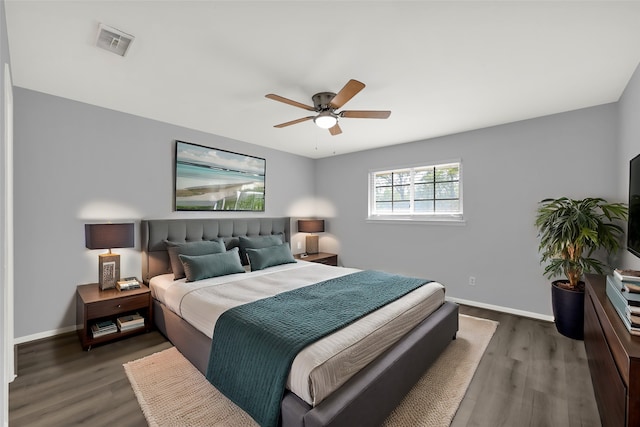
472,280
299,245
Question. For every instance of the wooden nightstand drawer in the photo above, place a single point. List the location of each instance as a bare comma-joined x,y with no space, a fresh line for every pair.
117,306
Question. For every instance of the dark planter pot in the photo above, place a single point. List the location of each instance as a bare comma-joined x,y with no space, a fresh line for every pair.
568,310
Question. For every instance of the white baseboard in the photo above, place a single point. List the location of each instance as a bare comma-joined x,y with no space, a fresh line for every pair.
522,313
54,332
45,334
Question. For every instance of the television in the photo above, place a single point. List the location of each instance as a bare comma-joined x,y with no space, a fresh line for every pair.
633,229
211,179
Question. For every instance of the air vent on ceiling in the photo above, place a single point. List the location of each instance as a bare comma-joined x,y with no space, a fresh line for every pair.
113,40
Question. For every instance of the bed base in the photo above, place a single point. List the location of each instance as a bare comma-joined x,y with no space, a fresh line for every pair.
368,397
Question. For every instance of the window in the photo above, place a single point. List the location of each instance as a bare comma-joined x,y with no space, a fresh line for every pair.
432,192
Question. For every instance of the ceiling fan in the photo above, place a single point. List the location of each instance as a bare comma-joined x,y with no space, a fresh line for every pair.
326,104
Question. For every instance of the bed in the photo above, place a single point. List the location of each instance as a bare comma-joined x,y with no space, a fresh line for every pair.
363,398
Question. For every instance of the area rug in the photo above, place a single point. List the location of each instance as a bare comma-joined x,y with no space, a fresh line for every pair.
172,392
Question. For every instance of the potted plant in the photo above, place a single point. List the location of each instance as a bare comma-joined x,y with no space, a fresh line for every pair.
570,231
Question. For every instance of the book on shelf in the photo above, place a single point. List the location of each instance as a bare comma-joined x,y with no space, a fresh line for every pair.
627,275
131,321
633,310
633,298
107,327
621,304
631,287
105,324
131,328
101,334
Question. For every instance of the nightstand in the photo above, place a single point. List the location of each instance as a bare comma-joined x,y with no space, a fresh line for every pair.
94,306
320,258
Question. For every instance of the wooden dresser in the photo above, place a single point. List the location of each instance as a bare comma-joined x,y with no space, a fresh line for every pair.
614,358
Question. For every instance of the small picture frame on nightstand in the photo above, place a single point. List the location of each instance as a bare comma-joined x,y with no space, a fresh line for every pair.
108,274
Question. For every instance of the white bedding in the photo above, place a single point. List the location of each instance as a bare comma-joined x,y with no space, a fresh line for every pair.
322,367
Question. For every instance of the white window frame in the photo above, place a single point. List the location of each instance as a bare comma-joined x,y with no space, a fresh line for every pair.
435,217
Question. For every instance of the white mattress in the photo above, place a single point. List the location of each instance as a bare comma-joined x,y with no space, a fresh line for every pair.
325,365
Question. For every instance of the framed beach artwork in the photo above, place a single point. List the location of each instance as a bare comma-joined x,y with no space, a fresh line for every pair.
210,179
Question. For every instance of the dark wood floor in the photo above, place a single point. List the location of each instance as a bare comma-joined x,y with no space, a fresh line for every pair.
529,376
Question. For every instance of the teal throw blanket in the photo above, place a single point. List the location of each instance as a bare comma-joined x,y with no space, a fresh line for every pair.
254,344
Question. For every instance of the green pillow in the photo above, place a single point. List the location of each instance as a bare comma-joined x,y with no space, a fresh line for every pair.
270,256
257,242
198,267
204,247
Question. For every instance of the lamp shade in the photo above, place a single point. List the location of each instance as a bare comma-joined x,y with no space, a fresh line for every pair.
108,236
311,225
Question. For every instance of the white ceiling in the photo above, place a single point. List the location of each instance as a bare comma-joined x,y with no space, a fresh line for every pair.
440,67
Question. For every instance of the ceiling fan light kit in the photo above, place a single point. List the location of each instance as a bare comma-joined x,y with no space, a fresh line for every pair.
326,104
325,120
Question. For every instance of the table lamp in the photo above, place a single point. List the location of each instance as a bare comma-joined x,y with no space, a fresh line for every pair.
108,236
311,226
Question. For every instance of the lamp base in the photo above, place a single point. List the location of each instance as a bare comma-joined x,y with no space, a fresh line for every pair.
311,244
108,270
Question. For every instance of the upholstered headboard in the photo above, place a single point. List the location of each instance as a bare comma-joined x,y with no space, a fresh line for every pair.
155,259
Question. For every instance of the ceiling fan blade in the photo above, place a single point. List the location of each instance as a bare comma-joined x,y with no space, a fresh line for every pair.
360,114
293,122
346,93
335,130
290,102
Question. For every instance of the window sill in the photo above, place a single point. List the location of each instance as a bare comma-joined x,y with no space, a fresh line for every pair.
417,220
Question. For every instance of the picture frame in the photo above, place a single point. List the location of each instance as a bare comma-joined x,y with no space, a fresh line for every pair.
212,179
108,270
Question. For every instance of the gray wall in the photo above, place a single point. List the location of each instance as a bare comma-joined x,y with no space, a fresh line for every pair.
506,171
77,163
629,146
